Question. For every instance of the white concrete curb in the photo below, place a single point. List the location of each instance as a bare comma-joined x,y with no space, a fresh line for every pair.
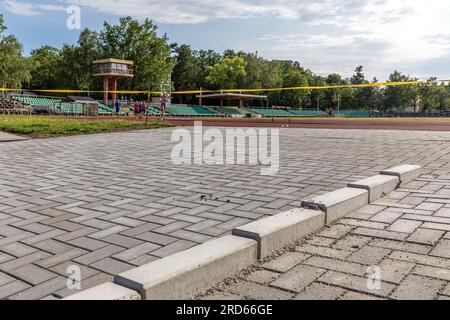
377,185
275,232
406,173
339,203
184,274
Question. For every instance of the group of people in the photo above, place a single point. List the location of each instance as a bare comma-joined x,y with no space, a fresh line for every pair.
139,107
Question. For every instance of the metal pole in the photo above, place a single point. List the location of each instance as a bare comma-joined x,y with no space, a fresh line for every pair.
339,103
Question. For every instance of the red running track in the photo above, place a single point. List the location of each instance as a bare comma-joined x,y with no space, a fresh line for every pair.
372,124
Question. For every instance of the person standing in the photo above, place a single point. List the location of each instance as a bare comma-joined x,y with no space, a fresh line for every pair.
118,105
136,109
140,109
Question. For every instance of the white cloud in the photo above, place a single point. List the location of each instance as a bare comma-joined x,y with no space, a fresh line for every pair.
19,8
332,35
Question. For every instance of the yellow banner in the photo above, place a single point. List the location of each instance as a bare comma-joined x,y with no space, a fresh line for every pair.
366,85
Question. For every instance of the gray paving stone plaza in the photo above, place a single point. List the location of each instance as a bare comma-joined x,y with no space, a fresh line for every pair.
110,202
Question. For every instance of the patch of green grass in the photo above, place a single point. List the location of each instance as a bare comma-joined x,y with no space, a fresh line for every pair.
51,126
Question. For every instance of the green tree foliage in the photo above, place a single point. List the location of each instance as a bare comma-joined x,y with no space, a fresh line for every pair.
14,68
401,98
2,25
139,42
185,70
76,61
226,73
433,96
45,64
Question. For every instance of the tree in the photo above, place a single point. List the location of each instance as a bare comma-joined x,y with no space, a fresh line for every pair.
45,71
76,61
432,96
14,68
205,59
400,97
139,42
294,98
2,25
185,70
226,73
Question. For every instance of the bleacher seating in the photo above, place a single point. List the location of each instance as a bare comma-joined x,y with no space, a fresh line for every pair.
308,113
8,106
190,111
270,112
232,111
352,114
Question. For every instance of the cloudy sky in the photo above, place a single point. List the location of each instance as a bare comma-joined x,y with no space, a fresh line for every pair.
324,35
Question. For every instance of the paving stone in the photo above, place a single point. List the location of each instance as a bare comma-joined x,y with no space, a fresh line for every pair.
406,226
40,291
111,266
370,256
86,283
4,278
52,246
425,236
298,278
357,296
447,290
172,248
355,283
442,249
432,272
88,243
156,238
61,257
85,272
401,246
337,265
417,288
351,243
136,252
394,271
384,234
429,206
122,241
12,288
318,291
98,254
323,251
422,259
16,263
32,274
286,262
263,276
255,291
336,231
386,216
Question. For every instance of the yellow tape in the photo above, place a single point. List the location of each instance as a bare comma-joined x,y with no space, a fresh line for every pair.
366,85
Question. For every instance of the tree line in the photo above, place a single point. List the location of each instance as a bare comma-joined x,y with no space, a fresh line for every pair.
156,60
